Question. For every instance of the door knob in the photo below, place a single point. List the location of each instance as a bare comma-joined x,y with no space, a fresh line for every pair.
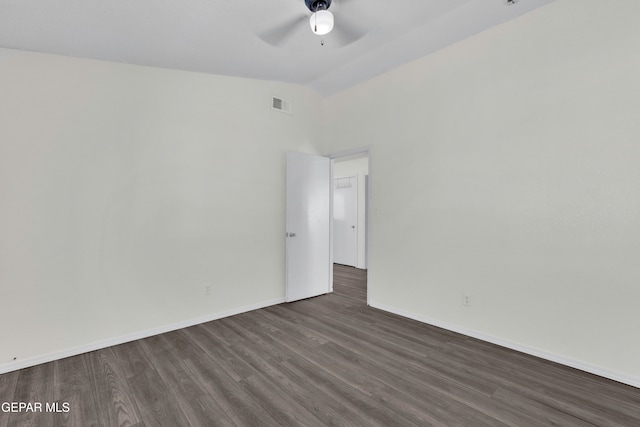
291,234
353,226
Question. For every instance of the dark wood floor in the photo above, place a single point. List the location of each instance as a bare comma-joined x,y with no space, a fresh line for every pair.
329,360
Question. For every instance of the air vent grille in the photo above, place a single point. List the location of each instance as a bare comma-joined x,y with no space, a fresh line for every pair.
281,105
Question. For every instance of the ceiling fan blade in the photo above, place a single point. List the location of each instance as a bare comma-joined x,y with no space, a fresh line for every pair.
346,32
350,3
281,34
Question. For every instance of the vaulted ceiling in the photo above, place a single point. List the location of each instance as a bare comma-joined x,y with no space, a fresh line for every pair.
269,39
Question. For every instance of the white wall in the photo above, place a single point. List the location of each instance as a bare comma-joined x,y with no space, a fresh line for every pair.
506,167
125,190
359,168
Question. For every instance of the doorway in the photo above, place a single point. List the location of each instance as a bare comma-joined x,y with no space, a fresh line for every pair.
350,230
309,234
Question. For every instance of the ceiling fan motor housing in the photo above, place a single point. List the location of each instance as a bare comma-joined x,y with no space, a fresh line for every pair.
316,5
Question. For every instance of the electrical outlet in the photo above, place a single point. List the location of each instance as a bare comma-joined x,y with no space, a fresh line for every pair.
466,300
207,290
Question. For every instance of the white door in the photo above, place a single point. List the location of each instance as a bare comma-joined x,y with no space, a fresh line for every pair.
345,220
308,226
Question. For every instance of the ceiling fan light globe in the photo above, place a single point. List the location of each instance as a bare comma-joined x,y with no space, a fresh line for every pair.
321,22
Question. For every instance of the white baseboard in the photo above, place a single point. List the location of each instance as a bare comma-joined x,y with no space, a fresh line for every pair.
612,375
37,360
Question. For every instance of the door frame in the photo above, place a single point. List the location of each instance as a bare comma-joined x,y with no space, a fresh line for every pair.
368,211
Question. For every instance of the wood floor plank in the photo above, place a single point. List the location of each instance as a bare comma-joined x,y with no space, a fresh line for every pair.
112,395
277,325
482,420
131,358
206,340
283,409
34,385
436,407
542,413
214,367
384,389
163,352
575,398
232,398
490,371
325,361
624,396
154,400
8,384
300,389
73,388
357,402
454,372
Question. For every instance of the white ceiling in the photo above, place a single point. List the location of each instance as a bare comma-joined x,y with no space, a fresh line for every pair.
227,36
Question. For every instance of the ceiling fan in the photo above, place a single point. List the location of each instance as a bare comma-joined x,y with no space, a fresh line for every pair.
321,22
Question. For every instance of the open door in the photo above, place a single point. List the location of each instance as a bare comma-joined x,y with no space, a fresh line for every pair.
345,220
308,226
